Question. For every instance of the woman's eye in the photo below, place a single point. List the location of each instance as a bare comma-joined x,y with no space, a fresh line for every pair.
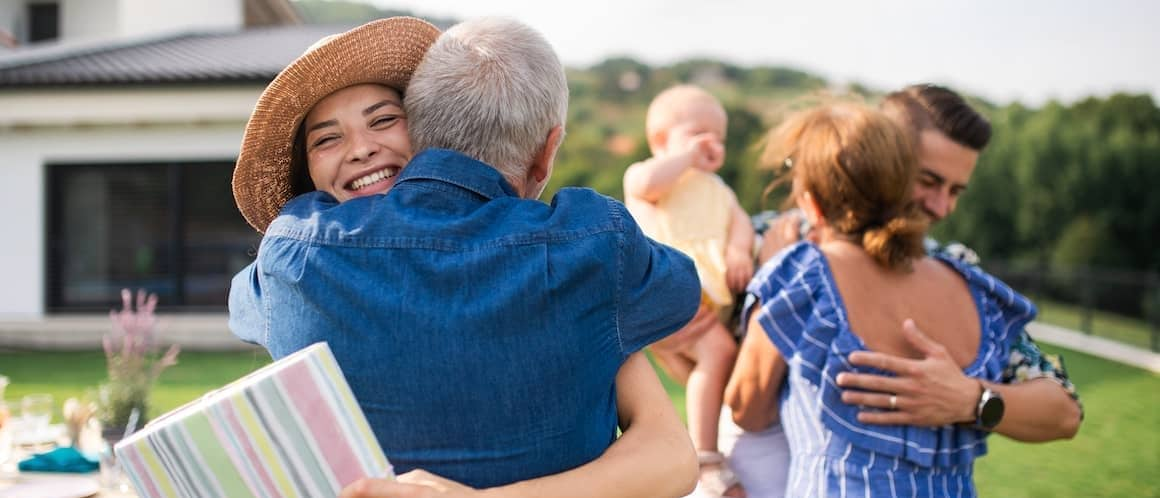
323,141
384,120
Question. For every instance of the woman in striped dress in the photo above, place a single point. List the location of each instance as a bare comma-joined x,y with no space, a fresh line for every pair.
813,305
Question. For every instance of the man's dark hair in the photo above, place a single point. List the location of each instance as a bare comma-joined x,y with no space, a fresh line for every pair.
925,107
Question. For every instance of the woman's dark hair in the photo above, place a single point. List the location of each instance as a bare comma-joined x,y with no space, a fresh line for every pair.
932,107
299,173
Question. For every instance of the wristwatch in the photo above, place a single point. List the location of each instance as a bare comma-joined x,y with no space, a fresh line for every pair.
990,409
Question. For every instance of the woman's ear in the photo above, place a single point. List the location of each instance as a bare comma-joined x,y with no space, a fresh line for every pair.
809,206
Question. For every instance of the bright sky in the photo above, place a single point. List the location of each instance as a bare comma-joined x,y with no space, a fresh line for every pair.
1003,50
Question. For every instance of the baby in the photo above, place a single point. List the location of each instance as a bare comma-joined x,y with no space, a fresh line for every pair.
677,199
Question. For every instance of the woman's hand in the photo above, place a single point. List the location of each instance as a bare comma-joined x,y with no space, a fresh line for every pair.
413,484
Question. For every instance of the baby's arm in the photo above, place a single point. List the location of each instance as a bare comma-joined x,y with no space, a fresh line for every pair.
739,250
651,179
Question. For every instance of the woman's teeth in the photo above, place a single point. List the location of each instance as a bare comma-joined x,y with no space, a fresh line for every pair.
371,179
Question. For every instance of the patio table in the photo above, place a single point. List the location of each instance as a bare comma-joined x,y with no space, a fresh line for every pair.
37,484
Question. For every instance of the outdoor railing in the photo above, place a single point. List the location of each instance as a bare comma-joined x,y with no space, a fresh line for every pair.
1115,304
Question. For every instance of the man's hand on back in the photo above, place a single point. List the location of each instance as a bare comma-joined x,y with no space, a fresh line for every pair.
929,392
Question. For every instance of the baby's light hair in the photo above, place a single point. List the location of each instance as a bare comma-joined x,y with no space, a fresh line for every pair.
667,107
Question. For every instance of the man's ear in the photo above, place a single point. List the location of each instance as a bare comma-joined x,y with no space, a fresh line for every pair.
541,167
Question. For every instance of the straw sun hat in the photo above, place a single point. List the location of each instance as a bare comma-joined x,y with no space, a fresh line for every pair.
385,51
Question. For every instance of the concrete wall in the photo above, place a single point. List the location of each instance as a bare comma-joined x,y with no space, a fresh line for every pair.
84,20
12,18
147,17
44,127
89,19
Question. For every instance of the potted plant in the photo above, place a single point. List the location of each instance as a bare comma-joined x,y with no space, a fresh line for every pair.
133,365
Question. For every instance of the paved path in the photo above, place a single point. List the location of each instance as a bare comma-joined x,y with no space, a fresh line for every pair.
1096,346
194,331
208,331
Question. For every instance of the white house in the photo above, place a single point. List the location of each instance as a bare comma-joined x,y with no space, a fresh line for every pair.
120,121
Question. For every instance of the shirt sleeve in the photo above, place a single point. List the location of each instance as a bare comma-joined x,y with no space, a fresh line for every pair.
659,289
247,321
789,294
1028,362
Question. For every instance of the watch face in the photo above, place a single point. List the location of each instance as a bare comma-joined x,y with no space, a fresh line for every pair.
991,411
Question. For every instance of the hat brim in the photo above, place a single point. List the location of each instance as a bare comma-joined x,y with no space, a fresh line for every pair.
385,51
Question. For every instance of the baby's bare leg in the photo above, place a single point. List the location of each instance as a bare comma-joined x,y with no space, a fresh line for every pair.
675,364
714,355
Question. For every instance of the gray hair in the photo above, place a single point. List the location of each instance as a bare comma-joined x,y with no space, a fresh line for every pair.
491,89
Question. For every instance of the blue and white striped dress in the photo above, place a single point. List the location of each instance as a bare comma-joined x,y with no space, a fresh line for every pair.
834,455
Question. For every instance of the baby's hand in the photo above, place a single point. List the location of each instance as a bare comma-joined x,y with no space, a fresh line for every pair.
703,150
708,153
738,269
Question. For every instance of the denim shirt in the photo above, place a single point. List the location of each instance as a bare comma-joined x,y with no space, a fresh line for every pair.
480,332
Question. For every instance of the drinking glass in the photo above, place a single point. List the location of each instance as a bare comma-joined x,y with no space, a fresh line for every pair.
36,413
111,477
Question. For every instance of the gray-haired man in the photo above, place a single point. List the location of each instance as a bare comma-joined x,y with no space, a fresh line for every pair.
536,312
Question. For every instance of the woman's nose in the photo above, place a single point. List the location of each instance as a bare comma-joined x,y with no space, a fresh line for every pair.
362,147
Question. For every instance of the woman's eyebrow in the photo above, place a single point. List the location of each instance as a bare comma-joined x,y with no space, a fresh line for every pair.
370,109
380,104
322,124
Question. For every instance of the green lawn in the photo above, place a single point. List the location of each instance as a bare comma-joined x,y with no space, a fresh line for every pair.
1117,451
67,374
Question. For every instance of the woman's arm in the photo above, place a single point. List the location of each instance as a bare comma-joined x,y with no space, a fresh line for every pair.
652,457
753,387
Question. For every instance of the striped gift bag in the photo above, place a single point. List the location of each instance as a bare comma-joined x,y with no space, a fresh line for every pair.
289,429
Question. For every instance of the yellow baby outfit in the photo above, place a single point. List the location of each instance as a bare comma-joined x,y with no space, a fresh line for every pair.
694,218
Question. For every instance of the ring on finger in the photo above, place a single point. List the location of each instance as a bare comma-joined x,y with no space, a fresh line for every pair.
893,401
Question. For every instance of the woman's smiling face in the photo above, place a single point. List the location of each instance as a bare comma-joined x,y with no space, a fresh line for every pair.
356,141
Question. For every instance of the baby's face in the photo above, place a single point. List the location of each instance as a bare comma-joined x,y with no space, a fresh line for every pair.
698,122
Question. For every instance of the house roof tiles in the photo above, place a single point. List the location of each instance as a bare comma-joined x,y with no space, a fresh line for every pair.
253,55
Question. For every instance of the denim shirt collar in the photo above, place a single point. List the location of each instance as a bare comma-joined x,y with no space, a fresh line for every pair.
452,167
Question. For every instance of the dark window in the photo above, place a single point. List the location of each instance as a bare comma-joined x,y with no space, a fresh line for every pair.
170,228
43,21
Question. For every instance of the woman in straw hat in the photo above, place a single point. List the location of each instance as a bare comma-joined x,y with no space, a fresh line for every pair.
333,121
